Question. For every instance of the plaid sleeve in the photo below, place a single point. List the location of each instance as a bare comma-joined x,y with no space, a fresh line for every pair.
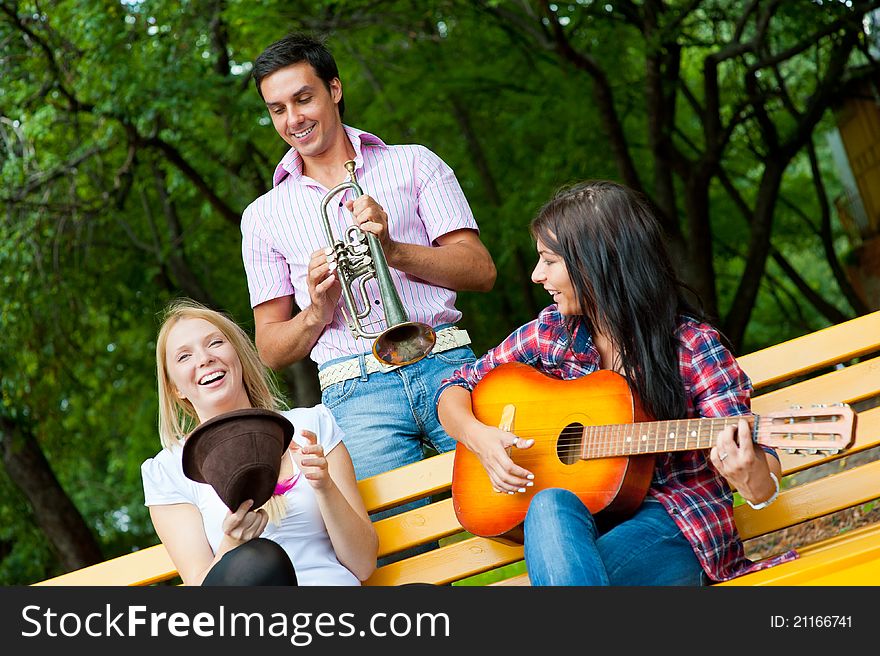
522,345
719,387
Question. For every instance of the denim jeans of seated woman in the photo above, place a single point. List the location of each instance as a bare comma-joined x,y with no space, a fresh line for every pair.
564,546
390,419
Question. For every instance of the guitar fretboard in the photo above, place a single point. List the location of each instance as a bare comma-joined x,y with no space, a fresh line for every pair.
656,436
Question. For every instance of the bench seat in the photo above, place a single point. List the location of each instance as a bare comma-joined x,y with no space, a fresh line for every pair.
836,364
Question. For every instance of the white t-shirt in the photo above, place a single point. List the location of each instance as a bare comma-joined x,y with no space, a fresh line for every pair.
301,533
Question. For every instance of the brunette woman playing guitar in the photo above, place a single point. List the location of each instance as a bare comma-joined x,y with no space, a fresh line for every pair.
618,305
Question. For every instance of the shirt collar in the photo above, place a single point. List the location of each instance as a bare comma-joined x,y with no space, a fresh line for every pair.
582,342
291,164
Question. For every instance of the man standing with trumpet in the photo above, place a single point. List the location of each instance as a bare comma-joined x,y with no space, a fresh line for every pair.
298,246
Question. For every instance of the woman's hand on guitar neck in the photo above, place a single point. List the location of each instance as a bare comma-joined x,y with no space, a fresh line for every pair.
745,466
492,447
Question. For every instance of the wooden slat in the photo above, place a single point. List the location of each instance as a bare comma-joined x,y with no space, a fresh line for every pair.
143,567
840,539
408,529
814,351
407,483
835,492
448,563
849,559
847,385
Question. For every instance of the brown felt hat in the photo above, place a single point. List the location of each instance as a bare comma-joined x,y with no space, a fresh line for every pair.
239,454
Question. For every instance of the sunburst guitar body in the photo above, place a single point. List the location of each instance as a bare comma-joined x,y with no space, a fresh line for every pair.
593,438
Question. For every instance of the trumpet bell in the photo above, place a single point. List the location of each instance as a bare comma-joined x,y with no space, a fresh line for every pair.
404,343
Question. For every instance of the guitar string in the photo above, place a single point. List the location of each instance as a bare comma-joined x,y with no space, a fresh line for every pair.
659,444
661,429
613,443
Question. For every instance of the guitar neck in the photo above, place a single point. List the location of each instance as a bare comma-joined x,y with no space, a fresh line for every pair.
656,436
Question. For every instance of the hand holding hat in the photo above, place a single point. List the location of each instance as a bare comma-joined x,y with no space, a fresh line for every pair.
243,525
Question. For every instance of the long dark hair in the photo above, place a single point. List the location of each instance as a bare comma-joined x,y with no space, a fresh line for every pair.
621,272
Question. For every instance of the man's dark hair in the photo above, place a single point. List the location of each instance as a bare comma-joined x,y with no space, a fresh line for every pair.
293,49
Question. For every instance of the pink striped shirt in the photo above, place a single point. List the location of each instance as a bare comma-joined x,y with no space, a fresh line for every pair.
283,227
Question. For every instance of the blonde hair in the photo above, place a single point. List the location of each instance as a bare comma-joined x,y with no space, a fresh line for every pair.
177,416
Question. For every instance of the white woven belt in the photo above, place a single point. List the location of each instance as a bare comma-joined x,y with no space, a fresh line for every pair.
448,338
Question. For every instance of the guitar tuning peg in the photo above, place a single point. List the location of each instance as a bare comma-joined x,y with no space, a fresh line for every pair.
791,451
812,452
796,407
833,451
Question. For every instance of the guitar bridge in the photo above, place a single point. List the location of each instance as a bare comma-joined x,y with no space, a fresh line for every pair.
506,423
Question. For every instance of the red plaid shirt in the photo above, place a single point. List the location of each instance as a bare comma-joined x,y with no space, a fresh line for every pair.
696,496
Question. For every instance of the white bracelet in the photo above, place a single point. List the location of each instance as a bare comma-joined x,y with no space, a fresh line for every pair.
764,504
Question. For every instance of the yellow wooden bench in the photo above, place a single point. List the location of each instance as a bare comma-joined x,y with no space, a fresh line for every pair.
833,364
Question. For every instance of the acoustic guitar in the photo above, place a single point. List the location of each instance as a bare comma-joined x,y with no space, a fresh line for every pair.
593,438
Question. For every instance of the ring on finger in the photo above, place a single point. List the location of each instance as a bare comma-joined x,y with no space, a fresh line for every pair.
722,456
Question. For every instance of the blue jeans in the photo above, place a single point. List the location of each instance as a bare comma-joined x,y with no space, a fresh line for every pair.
389,418
563,546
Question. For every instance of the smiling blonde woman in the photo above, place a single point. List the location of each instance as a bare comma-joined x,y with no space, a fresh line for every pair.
313,531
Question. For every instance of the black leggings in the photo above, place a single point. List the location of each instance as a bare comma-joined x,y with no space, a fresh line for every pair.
256,562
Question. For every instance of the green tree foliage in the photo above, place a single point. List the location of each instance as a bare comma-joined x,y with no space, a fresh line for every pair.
131,139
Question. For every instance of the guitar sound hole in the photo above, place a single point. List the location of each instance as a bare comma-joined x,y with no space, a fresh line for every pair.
568,448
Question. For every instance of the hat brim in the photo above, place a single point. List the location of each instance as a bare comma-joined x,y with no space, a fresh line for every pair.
191,451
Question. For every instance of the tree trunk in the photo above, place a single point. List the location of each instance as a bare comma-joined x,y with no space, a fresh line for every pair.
758,250
177,262
301,379
53,510
826,309
478,156
698,269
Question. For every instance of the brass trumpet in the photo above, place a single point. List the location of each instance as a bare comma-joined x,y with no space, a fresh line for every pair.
359,258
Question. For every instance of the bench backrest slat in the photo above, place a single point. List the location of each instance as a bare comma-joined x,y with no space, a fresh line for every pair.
847,385
802,355
814,499
415,481
142,567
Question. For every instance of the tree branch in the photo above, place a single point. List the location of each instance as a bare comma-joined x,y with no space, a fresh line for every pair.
827,239
604,100
826,309
179,161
